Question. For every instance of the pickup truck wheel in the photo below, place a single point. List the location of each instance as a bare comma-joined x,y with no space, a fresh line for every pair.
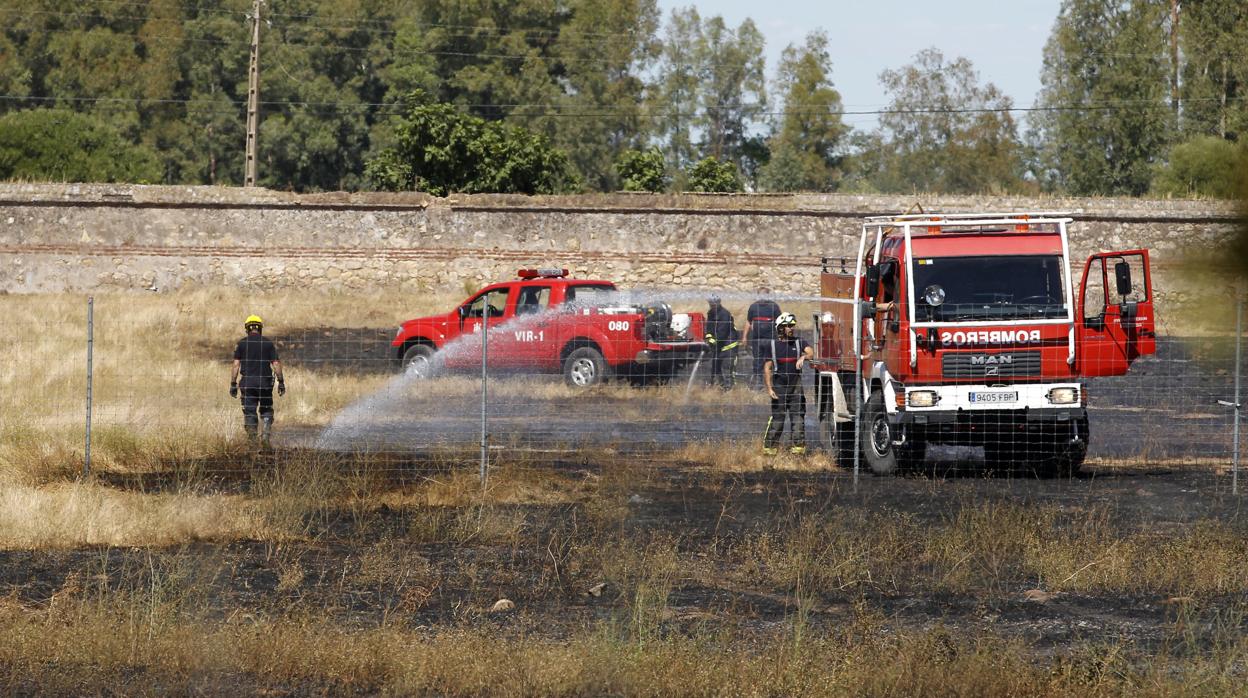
418,360
584,367
877,440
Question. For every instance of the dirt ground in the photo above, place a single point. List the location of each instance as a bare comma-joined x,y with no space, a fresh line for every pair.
438,581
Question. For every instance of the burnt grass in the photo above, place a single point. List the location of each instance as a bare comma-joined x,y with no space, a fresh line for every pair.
430,567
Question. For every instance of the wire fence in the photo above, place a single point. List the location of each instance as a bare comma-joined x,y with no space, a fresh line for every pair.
113,389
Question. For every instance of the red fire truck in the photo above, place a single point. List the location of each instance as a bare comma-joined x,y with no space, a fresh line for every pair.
546,322
968,329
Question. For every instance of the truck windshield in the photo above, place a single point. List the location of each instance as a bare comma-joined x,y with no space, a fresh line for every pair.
990,288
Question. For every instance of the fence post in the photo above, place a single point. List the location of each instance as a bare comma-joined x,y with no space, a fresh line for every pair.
485,350
1239,343
86,461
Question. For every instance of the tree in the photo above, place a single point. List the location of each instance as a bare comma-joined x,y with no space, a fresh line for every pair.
603,47
1105,117
945,132
711,175
732,89
439,150
1202,166
673,99
1214,39
60,145
805,146
642,170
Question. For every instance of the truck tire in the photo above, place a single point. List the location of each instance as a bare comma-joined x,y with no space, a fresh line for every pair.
877,440
418,360
584,367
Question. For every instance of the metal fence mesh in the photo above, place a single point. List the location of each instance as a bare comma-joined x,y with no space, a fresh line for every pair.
161,371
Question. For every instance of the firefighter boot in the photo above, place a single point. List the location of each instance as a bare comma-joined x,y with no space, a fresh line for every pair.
797,450
769,451
266,429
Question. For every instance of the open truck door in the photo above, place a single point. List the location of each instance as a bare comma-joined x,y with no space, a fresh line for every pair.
1116,324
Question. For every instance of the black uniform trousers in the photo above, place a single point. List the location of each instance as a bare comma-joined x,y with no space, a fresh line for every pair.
790,402
761,349
256,399
723,365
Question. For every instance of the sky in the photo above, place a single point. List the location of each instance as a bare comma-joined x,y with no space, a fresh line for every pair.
1004,39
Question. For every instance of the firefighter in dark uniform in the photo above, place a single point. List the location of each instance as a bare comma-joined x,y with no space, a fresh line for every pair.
782,374
256,363
721,336
759,331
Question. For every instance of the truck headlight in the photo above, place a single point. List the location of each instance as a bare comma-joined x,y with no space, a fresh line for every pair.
1063,396
922,398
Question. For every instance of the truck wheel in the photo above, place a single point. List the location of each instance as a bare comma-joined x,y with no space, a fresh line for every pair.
877,440
1069,457
418,360
584,367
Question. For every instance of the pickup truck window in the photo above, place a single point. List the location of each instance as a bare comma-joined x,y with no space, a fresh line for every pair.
532,300
588,296
495,300
991,287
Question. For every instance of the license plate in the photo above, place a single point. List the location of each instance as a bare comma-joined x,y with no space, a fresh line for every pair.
994,397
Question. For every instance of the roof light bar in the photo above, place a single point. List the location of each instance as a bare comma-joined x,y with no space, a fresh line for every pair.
546,273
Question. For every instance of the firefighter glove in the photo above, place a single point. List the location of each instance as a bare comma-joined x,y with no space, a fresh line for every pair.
710,338
281,386
233,388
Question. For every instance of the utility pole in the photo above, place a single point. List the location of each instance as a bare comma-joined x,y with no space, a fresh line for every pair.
253,96
1174,57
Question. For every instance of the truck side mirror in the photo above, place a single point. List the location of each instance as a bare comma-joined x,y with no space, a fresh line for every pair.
873,280
1122,276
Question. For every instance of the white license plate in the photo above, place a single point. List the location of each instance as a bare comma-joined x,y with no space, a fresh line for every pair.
994,397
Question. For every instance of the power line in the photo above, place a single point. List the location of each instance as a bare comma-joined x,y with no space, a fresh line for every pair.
564,110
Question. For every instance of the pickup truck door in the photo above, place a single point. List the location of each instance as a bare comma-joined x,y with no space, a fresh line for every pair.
528,340
1115,323
491,305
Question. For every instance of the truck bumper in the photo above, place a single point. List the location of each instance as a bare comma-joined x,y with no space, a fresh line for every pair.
975,427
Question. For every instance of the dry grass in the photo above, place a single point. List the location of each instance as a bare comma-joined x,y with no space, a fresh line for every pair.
161,369
80,645
73,515
993,548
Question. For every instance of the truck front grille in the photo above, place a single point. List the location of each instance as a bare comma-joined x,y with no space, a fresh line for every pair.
990,365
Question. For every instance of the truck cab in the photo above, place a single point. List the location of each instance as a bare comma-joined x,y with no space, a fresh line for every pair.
970,329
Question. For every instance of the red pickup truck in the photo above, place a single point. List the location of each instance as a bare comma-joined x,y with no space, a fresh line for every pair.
546,322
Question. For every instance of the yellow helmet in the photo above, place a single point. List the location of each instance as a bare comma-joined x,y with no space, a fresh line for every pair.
253,320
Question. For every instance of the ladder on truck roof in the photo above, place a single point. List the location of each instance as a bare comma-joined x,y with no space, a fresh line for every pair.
910,223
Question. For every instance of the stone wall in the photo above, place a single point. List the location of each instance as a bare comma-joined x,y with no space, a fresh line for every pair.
88,237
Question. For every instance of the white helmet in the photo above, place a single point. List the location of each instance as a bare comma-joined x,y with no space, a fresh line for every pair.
786,319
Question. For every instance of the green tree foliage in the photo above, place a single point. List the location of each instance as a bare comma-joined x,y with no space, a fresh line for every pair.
944,131
733,89
439,149
1107,117
642,170
1214,44
1202,166
674,97
805,147
711,84
604,47
60,145
711,175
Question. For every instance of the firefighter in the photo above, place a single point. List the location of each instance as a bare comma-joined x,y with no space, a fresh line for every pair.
759,331
782,375
721,335
255,361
